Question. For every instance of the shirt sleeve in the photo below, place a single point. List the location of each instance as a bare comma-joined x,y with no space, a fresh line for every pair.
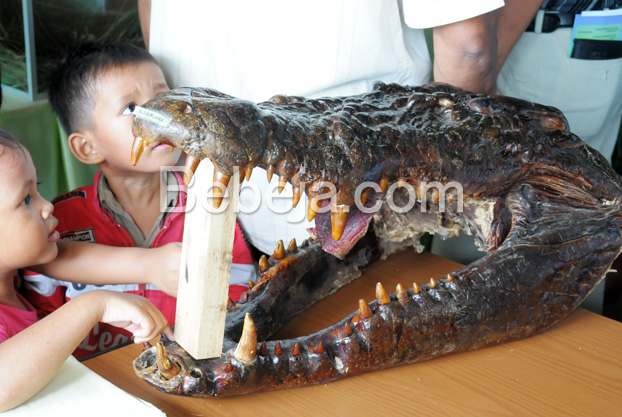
421,14
44,293
3,330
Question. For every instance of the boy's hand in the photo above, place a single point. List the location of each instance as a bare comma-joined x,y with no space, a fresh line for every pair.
163,266
133,313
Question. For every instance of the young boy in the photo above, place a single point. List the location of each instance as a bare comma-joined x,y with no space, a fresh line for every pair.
93,93
31,350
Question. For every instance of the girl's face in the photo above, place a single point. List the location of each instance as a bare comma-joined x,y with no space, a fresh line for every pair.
28,234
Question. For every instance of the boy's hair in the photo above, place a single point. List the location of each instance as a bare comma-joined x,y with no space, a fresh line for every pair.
73,85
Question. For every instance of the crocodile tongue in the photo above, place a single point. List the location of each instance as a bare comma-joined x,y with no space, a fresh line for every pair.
358,223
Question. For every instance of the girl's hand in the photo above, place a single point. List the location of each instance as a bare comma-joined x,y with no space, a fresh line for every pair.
133,313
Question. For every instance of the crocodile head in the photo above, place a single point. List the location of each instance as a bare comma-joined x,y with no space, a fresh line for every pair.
389,166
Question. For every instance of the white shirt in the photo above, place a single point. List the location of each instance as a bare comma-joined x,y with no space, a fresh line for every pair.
256,49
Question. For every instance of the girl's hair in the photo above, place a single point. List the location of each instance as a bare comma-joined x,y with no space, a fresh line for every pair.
9,140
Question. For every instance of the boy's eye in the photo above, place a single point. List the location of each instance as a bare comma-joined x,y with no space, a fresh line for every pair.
129,109
26,200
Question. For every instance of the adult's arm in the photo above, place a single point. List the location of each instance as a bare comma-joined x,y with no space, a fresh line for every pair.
144,15
465,53
470,53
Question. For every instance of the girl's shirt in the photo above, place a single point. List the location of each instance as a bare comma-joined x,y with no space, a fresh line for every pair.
14,320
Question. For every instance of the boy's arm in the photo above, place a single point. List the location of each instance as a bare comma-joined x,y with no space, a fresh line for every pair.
91,263
32,357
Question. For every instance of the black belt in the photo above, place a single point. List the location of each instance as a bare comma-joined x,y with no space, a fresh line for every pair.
553,20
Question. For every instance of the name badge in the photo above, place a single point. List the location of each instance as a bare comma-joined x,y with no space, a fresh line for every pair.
157,118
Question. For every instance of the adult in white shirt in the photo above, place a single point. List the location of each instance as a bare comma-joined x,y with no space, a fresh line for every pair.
256,49
586,90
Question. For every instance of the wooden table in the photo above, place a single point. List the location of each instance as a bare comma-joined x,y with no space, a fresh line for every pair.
573,369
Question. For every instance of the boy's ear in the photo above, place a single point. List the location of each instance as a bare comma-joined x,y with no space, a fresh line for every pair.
81,146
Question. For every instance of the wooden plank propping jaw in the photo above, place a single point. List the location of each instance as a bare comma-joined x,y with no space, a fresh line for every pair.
207,252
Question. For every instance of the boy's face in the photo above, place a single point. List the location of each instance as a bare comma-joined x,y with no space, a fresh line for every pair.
117,92
28,233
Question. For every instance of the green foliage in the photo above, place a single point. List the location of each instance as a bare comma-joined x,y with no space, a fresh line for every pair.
58,25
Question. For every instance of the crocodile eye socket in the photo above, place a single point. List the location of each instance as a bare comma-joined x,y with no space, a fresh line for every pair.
196,373
187,110
151,360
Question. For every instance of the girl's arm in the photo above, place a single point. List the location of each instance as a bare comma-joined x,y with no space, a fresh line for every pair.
32,357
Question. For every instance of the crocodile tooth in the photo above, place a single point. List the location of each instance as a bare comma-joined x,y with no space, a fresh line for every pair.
190,167
138,147
338,219
167,368
364,310
247,348
221,180
279,250
381,295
